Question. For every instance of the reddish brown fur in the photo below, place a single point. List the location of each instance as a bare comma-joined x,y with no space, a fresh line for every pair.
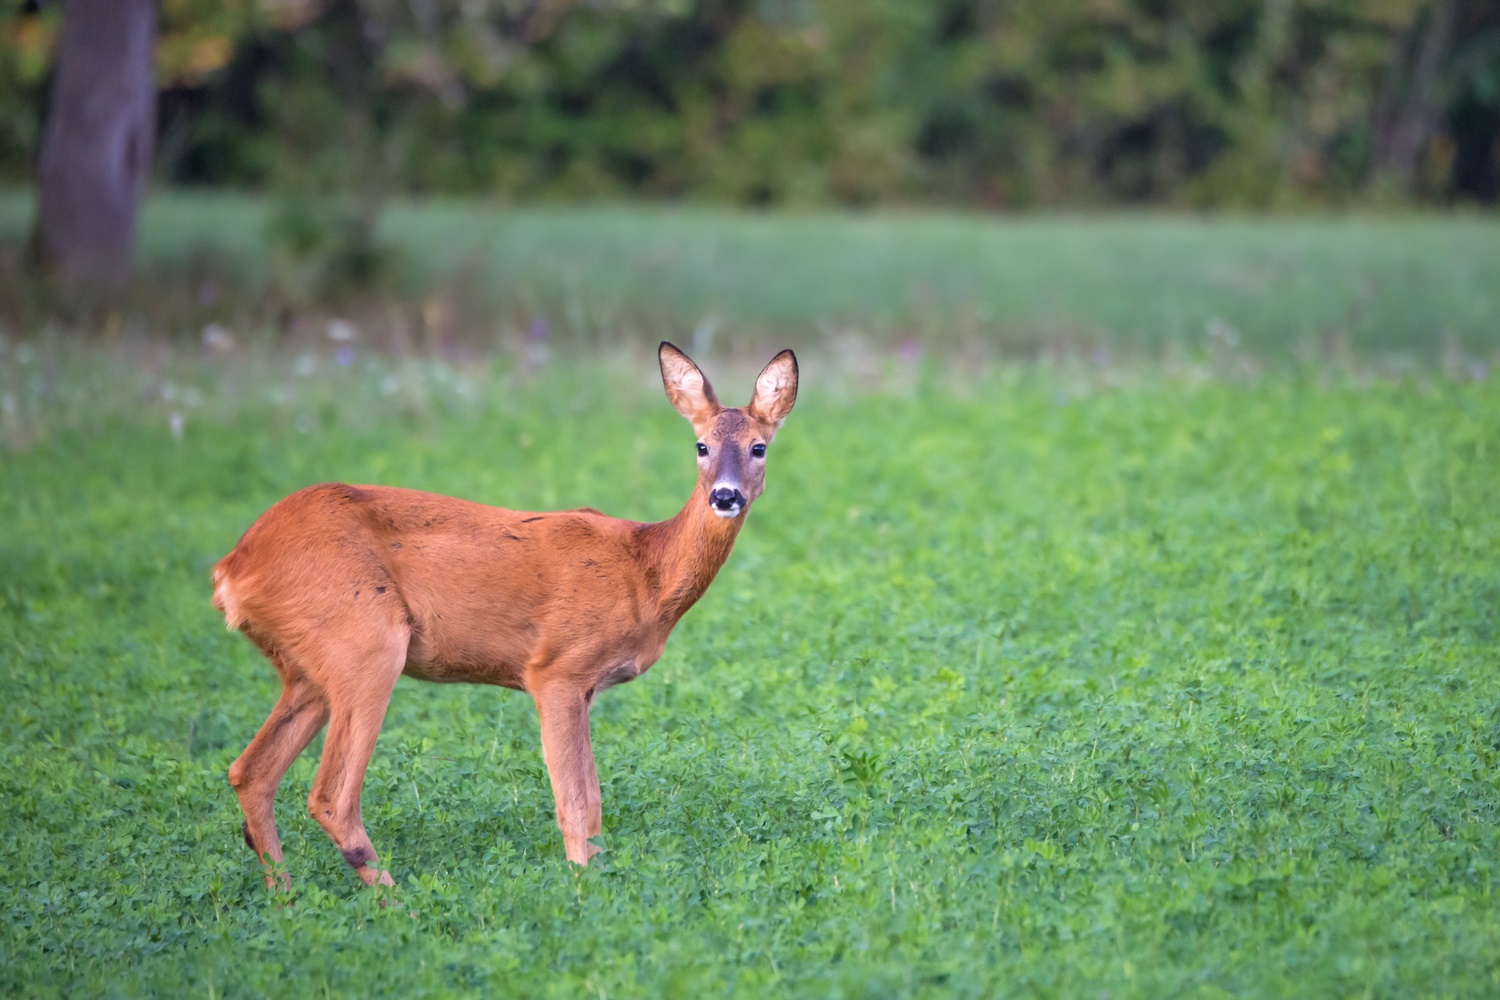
344,588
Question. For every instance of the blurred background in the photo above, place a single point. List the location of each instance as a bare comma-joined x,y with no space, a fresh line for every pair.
286,145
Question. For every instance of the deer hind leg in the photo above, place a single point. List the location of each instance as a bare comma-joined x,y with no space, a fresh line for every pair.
359,689
570,764
299,713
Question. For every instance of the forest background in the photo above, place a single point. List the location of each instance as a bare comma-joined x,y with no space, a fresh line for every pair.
992,103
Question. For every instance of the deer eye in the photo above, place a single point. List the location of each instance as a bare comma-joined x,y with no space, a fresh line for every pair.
758,450
702,450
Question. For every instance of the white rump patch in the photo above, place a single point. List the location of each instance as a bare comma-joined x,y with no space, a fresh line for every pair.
226,602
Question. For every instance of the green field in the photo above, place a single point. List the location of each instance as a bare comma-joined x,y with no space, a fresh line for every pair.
1032,677
1395,289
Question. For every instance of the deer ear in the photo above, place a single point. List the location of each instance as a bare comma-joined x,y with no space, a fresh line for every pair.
687,389
775,389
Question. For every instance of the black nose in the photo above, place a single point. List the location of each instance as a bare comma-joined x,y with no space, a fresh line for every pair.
725,498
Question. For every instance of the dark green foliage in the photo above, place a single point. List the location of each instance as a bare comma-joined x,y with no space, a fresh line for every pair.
1232,103
1016,684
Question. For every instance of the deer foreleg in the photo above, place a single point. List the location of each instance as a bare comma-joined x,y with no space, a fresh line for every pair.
570,764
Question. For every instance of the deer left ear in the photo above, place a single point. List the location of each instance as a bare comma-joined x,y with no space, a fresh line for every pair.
775,389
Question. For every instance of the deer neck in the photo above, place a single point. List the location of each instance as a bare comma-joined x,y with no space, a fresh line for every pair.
687,552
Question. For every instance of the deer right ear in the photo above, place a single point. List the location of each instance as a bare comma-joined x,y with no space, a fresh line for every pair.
687,388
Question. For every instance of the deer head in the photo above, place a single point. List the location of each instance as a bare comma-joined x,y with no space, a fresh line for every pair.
732,442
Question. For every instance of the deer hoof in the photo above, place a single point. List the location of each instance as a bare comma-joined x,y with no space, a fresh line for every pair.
375,876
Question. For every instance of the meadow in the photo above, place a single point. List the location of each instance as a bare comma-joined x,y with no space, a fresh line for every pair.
1163,663
1398,289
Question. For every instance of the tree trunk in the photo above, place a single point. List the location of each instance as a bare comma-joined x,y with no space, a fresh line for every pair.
96,150
1419,115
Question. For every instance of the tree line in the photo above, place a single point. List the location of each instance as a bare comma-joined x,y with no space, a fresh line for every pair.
994,103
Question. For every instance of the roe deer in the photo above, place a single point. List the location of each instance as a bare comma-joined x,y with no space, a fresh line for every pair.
345,588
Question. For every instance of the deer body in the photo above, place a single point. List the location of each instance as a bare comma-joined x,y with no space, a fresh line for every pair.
344,588
484,594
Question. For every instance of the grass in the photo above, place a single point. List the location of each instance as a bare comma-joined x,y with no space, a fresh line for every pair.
1402,287
1175,687
1064,679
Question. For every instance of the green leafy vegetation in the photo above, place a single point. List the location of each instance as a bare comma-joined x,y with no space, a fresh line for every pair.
1061,677
1023,103
1167,687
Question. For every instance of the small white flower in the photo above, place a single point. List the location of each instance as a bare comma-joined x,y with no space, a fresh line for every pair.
217,338
1218,329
